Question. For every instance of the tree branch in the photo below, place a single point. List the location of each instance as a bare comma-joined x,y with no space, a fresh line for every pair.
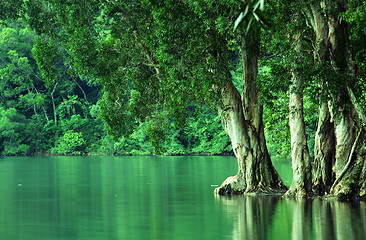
137,36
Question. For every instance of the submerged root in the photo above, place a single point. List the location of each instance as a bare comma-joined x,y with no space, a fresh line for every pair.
296,193
346,191
236,185
233,185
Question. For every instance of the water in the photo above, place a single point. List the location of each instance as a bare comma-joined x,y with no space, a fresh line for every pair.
112,198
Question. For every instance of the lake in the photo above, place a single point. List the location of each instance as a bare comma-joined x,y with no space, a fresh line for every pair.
112,198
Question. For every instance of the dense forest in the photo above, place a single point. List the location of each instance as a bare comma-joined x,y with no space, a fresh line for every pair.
64,119
120,77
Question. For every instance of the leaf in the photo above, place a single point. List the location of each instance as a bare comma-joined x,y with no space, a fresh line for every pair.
256,6
249,24
256,17
238,20
261,5
241,17
246,10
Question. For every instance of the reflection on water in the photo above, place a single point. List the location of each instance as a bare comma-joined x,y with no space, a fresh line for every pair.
254,215
277,218
104,198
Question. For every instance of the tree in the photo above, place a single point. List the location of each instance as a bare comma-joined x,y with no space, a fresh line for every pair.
301,165
169,53
339,161
291,47
154,58
338,165
320,55
38,116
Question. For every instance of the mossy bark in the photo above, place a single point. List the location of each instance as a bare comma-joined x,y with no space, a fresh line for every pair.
339,168
242,120
301,166
324,152
256,173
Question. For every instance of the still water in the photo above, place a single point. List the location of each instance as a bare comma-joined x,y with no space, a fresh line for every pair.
113,198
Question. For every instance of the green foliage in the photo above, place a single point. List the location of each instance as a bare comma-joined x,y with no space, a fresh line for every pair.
12,126
46,54
210,138
70,143
156,62
65,119
28,109
157,131
357,18
253,12
10,9
168,40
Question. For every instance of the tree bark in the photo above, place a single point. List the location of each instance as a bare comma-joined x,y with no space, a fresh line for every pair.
301,165
242,120
350,139
53,103
324,149
339,139
324,152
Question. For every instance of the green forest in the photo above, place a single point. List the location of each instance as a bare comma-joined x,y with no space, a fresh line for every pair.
63,119
262,80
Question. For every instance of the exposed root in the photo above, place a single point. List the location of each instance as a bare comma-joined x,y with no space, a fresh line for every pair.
344,192
296,193
236,185
233,185
347,166
363,193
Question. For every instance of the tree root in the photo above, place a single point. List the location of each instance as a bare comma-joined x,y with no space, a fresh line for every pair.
296,193
236,185
233,185
347,166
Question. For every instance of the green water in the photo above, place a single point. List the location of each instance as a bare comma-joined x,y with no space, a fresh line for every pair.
111,198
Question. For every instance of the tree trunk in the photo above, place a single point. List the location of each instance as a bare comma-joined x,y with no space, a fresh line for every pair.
349,135
324,152
342,137
301,165
53,103
324,149
242,120
350,167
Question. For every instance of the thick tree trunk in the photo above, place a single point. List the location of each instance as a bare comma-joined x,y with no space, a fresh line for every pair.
350,167
256,173
340,141
324,149
301,165
348,120
324,152
242,121
345,137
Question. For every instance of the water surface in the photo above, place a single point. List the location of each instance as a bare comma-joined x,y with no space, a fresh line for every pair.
105,198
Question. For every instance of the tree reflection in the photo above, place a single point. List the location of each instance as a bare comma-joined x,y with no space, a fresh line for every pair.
296,219
301,219
253,214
